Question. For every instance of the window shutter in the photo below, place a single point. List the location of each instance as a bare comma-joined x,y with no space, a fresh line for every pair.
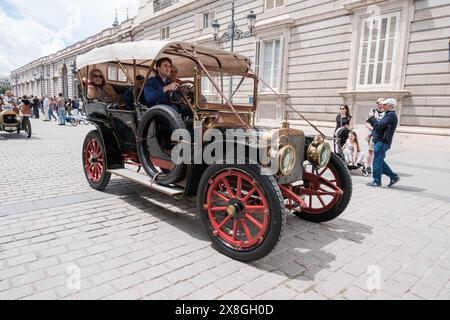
281,59
257,57
198,21
270,4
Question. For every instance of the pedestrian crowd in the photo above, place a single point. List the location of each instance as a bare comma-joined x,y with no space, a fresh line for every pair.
50,108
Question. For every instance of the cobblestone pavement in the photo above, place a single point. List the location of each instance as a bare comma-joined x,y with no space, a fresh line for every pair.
132,243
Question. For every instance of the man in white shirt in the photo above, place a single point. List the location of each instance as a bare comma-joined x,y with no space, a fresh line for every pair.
46,106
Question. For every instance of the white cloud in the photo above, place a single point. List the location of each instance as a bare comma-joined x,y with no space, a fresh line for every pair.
31,29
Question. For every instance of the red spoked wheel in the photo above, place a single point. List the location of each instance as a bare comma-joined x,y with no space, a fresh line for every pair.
94,161
326,192
242,211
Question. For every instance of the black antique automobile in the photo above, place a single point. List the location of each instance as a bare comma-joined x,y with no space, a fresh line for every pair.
243,199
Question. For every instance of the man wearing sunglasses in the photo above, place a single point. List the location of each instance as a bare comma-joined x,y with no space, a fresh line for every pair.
383,134
377,114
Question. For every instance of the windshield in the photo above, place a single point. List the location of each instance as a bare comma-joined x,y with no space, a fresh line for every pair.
238,89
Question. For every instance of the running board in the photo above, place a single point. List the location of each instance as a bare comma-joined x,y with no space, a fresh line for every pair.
145,180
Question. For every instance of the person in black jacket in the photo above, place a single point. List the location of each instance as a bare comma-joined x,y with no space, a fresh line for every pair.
383,134
35,104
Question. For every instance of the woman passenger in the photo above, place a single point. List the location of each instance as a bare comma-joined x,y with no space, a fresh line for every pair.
98,89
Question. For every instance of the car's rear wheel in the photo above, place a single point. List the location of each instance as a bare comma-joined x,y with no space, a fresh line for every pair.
94,161
242,210
26,123
326,192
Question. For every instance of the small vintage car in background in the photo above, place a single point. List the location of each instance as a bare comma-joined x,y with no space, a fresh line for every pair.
242,206
14,121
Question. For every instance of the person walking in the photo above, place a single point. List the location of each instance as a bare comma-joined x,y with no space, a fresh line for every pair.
52,109
75,104
45,108
378,115
61,104
35,104
69,107
383,135
80,106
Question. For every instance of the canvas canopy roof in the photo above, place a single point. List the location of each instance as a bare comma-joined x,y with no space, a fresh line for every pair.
146,52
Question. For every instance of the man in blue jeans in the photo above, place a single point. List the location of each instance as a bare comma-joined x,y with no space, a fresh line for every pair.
383,134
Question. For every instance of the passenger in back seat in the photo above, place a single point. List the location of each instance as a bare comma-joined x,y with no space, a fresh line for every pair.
98,89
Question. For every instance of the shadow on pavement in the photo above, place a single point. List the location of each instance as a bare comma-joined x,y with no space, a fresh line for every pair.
302,249
300,252
15,136
408,189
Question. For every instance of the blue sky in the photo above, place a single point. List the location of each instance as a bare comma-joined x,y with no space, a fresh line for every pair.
30,29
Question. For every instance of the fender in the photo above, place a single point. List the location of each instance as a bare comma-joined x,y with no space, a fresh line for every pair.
111,143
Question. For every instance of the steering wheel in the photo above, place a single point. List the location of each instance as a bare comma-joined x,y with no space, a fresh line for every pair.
184,94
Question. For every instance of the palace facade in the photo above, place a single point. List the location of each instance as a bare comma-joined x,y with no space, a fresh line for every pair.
318,54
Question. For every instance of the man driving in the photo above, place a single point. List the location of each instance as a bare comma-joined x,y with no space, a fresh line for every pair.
158,89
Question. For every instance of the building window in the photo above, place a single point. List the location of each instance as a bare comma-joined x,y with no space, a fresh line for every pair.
208,19
271,4
159,5
378,51
165,33
269,63
204,21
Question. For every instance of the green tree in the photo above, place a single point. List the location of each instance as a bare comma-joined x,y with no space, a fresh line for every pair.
4,88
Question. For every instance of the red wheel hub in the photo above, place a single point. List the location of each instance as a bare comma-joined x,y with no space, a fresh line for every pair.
94,160
321,190
238,210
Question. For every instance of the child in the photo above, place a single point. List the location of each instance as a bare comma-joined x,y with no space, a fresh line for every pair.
352,151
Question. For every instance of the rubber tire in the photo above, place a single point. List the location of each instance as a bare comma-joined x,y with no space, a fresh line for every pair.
27,127
277,209
342,204
74,122
176,122
106,177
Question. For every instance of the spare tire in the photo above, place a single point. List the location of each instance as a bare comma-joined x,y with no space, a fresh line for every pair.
154,144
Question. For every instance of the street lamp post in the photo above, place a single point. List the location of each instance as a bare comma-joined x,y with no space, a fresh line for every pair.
234,33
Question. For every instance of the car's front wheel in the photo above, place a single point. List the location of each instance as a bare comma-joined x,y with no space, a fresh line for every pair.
242,210
326,192
94,161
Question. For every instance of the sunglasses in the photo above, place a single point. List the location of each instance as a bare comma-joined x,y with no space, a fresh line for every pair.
343,109
98,76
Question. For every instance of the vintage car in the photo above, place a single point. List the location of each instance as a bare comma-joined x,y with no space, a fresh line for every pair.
14,121
243,199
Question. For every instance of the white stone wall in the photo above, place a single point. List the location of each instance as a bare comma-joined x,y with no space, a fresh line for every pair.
428,66
320,53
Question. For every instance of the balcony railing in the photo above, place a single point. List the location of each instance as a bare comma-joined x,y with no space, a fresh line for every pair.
159,5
